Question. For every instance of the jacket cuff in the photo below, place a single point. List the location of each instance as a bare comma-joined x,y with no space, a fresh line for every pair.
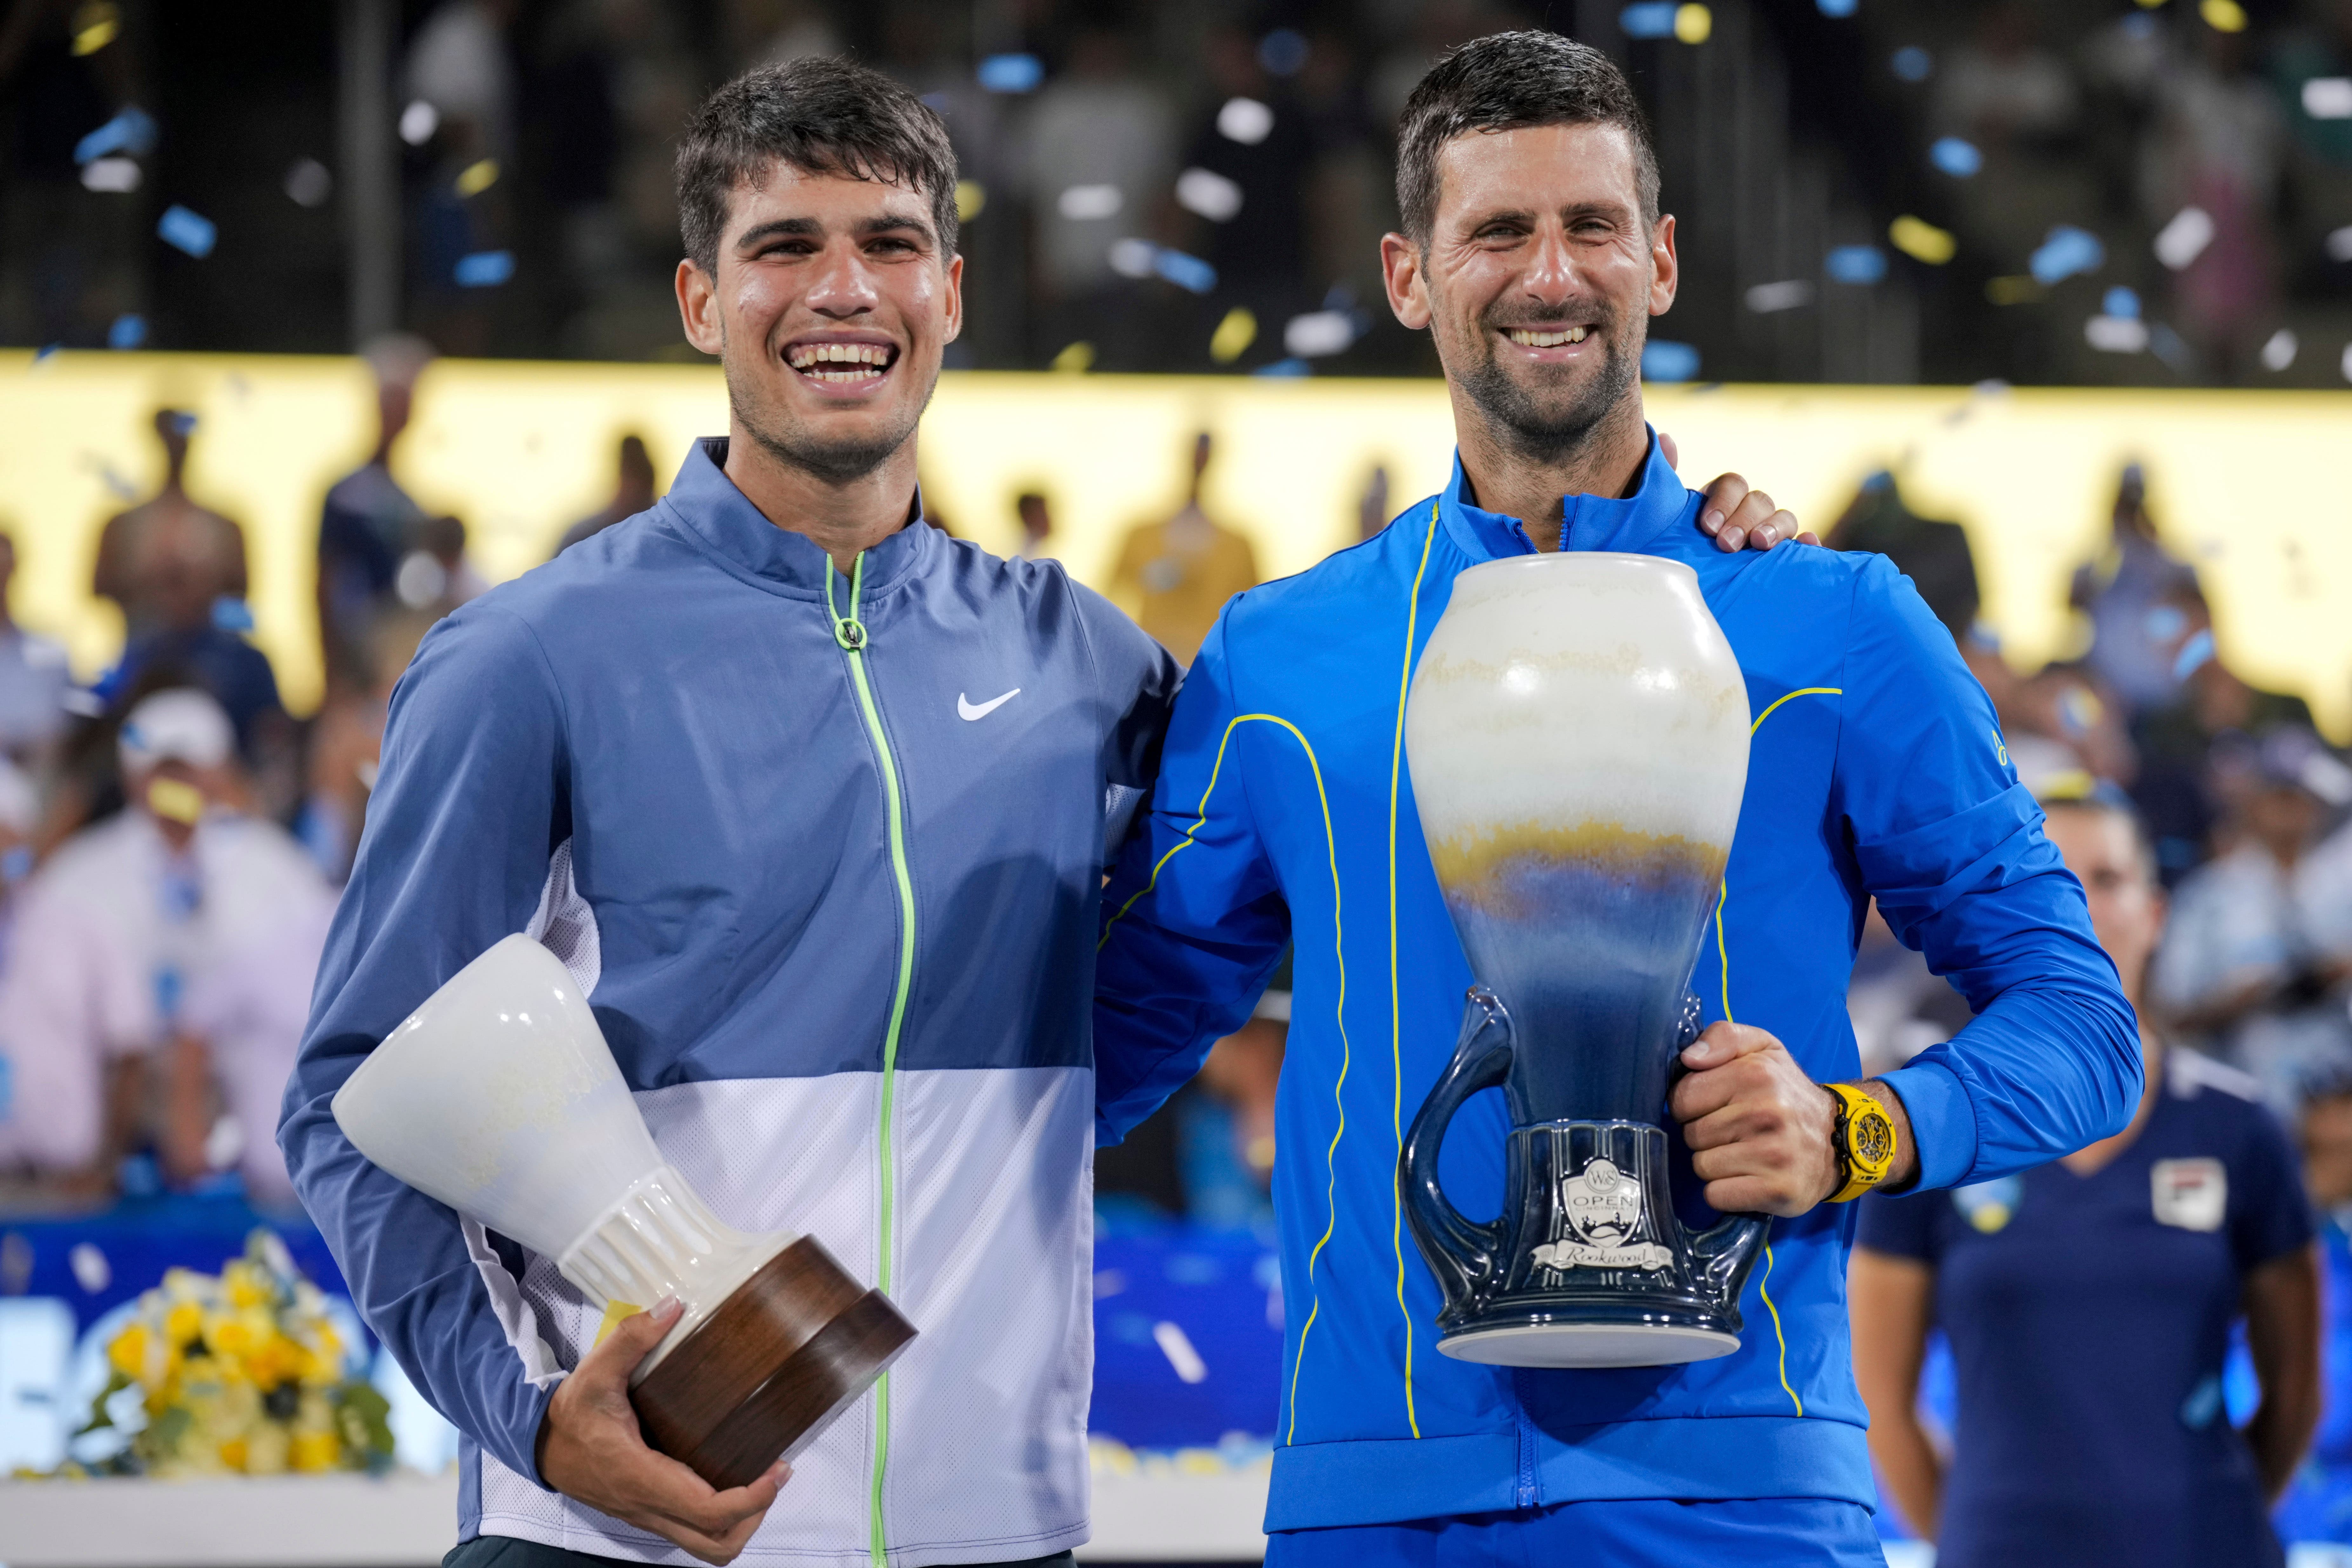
1943,1123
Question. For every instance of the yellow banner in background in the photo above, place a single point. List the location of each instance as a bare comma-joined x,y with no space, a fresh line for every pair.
2240,483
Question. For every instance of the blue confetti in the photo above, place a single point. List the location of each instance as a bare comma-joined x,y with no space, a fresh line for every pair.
1912,63
1184,271
1837,8
2120,301
1956,158
1859,264
1669,361
128,332
184,230
1285,368
2204,1404
1282,52
132,131
1651,19
485,269
1011,73
2066,251
2195,654
45,351
232,614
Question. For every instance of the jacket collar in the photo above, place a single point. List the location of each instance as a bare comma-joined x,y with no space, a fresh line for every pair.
720,517
1634,522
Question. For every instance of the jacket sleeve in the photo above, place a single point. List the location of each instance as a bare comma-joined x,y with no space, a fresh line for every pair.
1951,846
1193,918
469,795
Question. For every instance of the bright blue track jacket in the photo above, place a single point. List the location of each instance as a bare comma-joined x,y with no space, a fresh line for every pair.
1284,810
833,899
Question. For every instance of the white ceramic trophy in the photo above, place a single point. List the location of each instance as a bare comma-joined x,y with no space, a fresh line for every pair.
500,1098
1577,733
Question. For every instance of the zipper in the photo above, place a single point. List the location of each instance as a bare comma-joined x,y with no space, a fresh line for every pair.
1526,1496
850,633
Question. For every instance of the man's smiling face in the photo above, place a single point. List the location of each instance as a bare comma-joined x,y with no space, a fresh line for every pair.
1538,278
830,311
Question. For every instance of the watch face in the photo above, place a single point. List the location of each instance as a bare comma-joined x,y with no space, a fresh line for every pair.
1873,1137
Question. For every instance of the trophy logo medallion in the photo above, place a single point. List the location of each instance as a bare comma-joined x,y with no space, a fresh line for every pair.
1600,1213
1578,735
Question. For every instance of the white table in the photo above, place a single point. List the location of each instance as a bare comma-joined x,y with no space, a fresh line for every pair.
409,1520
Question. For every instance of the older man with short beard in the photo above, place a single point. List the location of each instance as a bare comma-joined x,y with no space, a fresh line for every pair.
1535,253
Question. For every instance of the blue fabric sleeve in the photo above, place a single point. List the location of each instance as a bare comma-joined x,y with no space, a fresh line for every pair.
1139,680
2270,1213
1903,1226
1194,921
1952,846
468,798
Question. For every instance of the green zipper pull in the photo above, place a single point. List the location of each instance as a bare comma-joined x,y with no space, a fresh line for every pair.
847,631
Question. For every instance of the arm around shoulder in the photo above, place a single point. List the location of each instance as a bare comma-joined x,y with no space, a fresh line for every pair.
1192,919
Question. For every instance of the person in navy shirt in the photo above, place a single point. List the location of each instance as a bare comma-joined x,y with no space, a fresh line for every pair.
2089,1304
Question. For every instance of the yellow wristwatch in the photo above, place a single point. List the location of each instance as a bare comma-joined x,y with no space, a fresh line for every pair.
1864,1140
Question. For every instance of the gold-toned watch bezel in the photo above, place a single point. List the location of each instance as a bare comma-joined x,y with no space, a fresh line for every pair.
1866,1141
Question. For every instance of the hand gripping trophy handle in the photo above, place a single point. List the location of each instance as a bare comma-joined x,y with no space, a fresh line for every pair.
1474,1262
500,1098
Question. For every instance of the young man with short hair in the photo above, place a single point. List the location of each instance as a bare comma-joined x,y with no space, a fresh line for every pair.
1535,252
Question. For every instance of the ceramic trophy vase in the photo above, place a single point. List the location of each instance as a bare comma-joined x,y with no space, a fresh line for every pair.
1578,735
500,1098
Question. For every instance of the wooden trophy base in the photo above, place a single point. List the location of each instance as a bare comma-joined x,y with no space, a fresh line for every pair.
793,1347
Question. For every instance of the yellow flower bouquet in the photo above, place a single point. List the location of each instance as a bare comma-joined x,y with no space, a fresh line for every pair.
243,1373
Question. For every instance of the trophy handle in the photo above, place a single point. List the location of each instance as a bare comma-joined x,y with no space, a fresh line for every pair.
1465,1256
1725,1252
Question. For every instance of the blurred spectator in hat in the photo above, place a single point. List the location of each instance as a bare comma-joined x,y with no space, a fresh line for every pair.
2089,1304
368,522
1036,525
2137,630
131,956
1933,554
33,678
1174,576
169,547
2261,943
633,493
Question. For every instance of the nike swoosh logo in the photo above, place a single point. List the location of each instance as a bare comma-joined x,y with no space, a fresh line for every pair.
970,710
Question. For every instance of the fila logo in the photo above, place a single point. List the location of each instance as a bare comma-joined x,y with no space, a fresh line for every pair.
969,710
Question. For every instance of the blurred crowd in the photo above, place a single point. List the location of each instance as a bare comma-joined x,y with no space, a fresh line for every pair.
2076,191
2244,803
171,840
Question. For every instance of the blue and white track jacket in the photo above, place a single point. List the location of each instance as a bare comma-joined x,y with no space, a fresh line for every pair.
835,911
1283,809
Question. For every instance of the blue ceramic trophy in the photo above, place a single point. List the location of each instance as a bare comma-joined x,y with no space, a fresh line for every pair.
1578,735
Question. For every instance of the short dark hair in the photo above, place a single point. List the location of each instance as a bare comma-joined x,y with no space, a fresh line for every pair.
823,116
1507,81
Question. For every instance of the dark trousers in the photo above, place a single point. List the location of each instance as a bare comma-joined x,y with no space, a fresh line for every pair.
506,1552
